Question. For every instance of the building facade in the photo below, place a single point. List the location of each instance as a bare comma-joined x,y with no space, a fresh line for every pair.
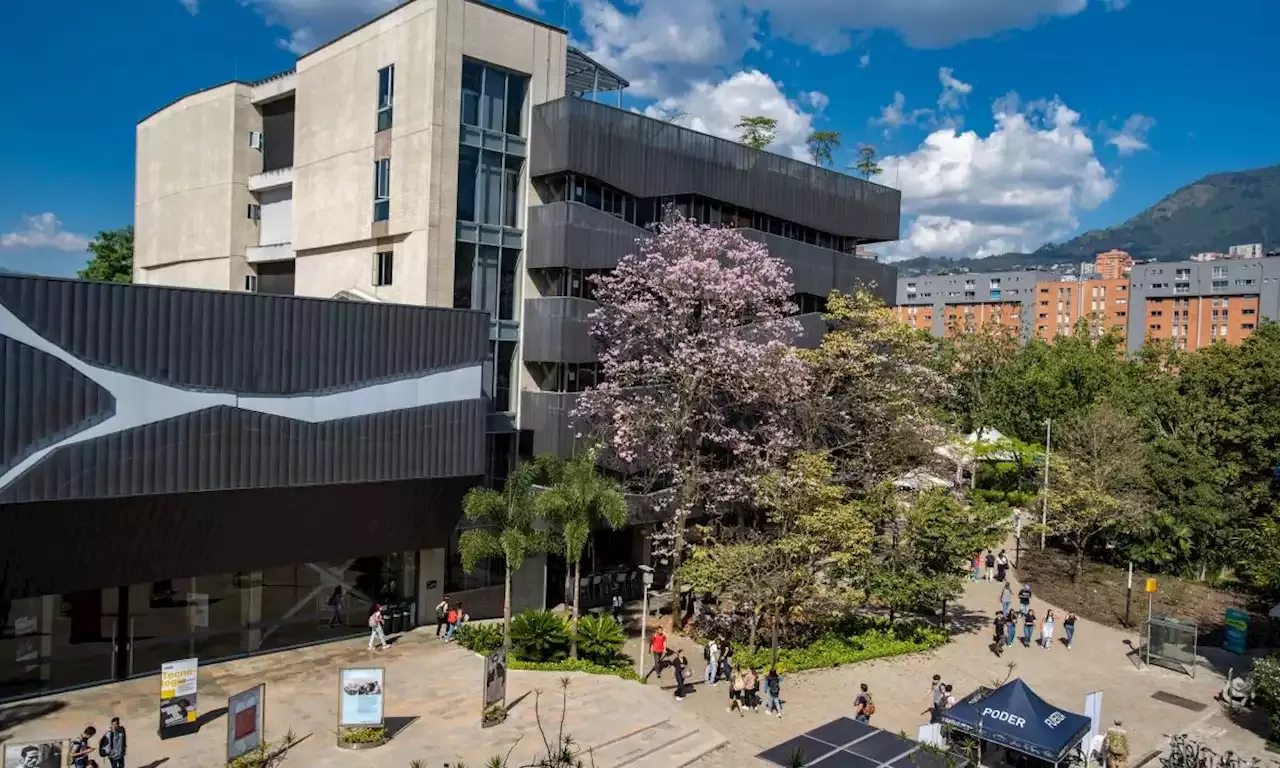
445,154
948,305
1061,304
1194,304
194,473
1113,265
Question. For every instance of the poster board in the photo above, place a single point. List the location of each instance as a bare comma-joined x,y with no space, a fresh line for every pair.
361,697
178,693
1235,631
35,754
494,685
245,718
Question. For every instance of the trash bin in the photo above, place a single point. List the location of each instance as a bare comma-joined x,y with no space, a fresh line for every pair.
395,619
410,614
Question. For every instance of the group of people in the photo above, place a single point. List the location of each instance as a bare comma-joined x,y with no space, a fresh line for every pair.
989,567
1006,622
941,698
745,685
449,617
111,747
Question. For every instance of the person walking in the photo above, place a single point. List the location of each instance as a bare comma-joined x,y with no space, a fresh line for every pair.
1010,627
375,628
863,705
726,659
114,744
81,749
617,607
1002,566
1006,597
990,562
751,689
657,647
976,567
1116,745
442,615
680,665
1069,628
773,689
1046,630
950,700
1028,627
737,689
997,644
937,695
1024,597
711,652
456,618
335,609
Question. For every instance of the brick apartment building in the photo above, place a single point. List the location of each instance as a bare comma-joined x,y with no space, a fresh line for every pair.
1191,303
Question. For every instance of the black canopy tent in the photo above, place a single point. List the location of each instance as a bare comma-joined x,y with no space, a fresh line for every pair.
1014,717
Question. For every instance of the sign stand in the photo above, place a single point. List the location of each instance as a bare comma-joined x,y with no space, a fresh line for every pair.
179,710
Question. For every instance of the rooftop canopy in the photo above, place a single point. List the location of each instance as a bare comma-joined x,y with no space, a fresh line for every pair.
583,75
1015,717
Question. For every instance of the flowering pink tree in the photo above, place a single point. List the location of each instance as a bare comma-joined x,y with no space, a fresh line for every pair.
698,372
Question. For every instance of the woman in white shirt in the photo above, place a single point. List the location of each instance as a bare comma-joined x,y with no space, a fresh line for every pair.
1046,631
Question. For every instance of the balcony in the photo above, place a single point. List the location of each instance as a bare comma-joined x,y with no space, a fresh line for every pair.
280,177
817,271
648,157
257,254
271,88
556,330
547,415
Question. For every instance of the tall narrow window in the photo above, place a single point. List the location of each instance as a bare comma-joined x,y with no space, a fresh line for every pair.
382,189
489,206
383,268
515,105
472,83
468,170
502,389
464,265
507,284
511,191
492,115
386,95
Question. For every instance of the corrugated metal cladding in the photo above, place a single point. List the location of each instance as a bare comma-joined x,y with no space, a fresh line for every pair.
227,448
648,158
557,329
577,236
243,342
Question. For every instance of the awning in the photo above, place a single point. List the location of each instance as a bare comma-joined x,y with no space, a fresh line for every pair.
1015,717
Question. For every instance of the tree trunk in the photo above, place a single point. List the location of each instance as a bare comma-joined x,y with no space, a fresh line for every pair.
687,493
774,640
506,611
755,626
573,626
1078,568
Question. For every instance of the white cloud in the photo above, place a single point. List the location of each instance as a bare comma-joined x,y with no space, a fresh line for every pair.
192,6
1132,136
953,90
864,60
312,23
816,99
1116,5
894,116
1022,185
529,5
715,108
43,230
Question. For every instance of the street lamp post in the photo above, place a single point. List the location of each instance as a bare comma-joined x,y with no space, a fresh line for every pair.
1044,500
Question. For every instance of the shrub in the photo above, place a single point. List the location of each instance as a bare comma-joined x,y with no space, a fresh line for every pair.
599,639
1266,686
849,647
362,735
481,638
539,636
624,671
266,755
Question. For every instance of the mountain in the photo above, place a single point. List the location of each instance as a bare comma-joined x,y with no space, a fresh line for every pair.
1218,211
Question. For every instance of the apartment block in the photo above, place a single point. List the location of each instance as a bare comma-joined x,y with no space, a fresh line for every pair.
452,154
948,305
1060,304
1113,264
1194,304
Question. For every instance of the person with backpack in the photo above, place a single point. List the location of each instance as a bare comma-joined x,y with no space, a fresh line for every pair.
737,692
113,744
375,628
442,615
863,706
80,749
711,654
773,690
997,646
990,562
451,624
1002,565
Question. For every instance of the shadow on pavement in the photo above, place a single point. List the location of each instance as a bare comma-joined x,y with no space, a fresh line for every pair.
17,714
520,698
395,725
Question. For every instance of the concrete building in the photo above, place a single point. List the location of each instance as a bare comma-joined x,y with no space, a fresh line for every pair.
211,474
444,154
1246,251
1113,264
1061,304
1194,304
948,305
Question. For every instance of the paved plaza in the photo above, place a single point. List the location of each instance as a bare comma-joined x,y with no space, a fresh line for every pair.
433,702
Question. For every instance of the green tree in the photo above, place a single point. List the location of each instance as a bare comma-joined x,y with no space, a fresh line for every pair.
579,499
510,530
1096,480
112,257
822,147
866,163
758,131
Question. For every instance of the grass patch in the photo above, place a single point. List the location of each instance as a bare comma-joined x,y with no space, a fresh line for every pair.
849,647
576,665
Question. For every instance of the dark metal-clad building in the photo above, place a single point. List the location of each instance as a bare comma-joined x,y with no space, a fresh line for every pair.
194,473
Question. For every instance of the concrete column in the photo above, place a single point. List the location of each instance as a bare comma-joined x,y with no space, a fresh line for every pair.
251,610
48,609
431,571
529,585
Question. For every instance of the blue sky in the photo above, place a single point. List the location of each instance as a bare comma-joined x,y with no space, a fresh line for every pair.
1117,102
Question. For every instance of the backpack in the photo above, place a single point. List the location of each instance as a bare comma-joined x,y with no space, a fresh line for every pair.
440,613
991,561
374,620
706,652
869,708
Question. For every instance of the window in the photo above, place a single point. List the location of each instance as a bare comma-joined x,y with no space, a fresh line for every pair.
1182,274
383,268
511,190
464,265
386,95
251,283
489,186
1248,311
1244,282
911,287
1219,284
507,283
515,104
502,356
1157,313
1219,272
492,98
472,82
1182,288
254,211
382,189
1246,326
468,168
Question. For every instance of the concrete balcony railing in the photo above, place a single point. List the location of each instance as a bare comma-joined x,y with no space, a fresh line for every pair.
557,330
547,415
256,254
274,87
273,179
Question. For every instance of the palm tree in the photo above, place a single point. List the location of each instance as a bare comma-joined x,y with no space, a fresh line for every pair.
511,531
577,500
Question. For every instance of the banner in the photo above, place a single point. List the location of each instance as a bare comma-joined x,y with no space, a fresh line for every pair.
34,754
244,721
495,680
1235,631
178,693
1093,711
361,697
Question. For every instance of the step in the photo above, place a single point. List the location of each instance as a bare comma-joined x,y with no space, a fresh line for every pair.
664,744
